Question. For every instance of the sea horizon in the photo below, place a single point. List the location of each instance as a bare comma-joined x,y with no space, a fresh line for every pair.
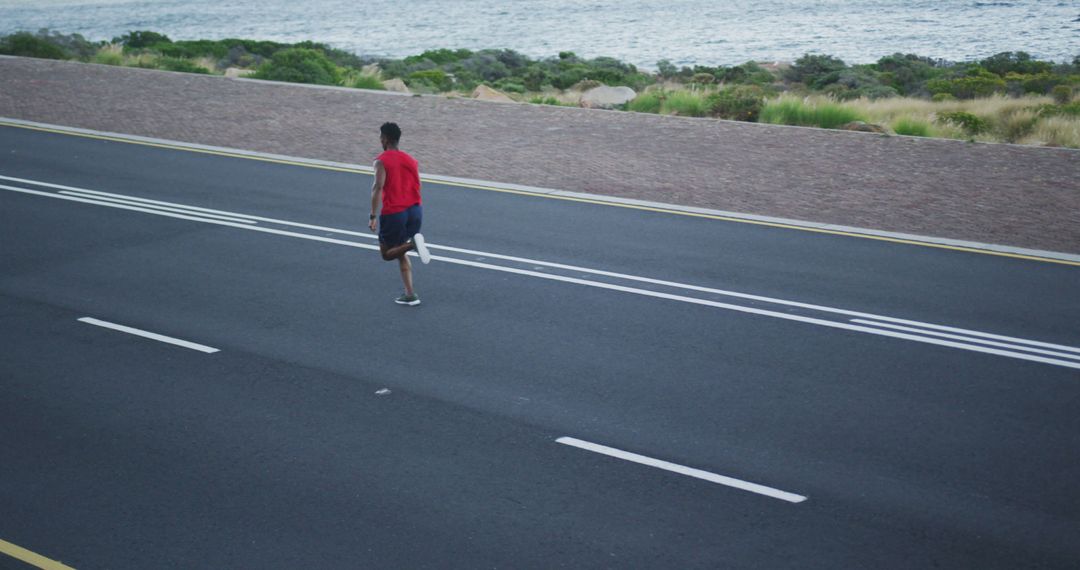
685,32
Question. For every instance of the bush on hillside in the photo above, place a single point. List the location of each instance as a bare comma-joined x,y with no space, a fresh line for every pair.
300,65
685,104
359,80
1014,62
911,127
811,70
1062,94
787,111
72,45
1038,84
978,82
749,73
141,39
906,73
648,102
433,79
26,44
737,103
971,123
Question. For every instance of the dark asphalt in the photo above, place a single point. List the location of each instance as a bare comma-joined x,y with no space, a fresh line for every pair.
122,452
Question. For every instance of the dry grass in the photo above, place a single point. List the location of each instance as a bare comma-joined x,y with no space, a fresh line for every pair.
888,110
207,62
1013,120
1055,131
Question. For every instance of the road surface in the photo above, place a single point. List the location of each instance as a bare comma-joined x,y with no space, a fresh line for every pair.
202,367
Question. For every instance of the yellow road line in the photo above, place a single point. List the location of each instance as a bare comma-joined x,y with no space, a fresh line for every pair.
31,558
565,198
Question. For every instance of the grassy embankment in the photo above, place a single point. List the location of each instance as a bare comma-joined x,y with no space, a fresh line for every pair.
1009,97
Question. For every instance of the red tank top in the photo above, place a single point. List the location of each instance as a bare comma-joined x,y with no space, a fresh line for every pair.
401,190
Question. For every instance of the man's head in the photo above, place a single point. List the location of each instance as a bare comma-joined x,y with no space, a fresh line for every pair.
390,134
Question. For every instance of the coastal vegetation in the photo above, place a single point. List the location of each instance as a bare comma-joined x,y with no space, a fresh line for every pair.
1008,97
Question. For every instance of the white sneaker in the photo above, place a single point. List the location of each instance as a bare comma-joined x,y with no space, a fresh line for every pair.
421,248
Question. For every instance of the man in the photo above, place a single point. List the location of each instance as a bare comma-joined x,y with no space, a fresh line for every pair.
397,188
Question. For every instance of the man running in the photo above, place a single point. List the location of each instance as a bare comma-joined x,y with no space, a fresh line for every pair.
397,188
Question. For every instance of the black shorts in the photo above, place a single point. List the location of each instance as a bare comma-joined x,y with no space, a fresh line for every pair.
398,228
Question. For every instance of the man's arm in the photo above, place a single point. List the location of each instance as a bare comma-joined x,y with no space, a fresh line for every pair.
376,193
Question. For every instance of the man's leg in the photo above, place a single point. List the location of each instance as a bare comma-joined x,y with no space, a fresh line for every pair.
395,252
406,274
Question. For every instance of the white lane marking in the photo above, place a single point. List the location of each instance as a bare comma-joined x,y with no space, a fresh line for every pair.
155,207
601,285
195,208
682,470
579,269
764,312
150,335
968,332
966,338
118,206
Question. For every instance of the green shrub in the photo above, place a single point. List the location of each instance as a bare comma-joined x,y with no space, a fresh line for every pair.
666,70
911,127
363,81
509,86
648,102
977,83
535,78
542,100
943,97
437,79
141,39
239,56
180,64
109,57
1039,83
1072,109
685,104
1017,125
26,44
906,73
749,73
49,45
795,112
440,56
739,103
300,65
1062,94
638,81
814,69
703,79
971,123
1014,62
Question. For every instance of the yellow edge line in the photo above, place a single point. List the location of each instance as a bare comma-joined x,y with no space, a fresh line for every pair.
31,558
566,198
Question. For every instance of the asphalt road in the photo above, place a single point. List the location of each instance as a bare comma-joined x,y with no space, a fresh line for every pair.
335,429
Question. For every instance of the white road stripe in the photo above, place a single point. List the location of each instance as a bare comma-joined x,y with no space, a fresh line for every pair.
978,334
579,269
613,287
155,207
150,335
966,338
118,206
683,470
764,312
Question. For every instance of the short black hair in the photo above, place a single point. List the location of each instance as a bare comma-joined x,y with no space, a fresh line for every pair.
391,131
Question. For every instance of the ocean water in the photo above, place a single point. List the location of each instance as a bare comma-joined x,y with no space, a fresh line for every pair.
642,32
